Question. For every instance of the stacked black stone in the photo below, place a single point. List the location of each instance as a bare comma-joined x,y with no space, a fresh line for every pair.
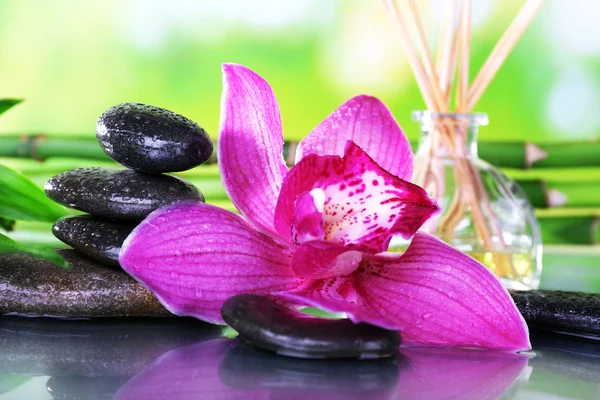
149,141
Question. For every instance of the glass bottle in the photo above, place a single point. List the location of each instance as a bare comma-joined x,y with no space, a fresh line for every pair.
484,213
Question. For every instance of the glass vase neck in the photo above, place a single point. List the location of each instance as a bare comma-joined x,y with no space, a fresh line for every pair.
449,134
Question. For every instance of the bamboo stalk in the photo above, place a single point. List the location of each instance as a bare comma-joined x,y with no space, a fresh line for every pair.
556,230
570,230
521,155
501,51
41,146
551,194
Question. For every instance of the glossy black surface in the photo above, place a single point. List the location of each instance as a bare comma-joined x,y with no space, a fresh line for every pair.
270,326
118,194
186,359
151,139
97,238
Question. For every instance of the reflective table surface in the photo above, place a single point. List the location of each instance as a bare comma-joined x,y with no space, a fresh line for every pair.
180,358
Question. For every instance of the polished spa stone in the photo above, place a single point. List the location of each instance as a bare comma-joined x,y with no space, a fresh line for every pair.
265,324
97,238
119,194
152,139
558,311
29,286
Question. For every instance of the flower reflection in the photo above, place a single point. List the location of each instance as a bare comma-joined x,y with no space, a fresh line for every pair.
229,369
458,374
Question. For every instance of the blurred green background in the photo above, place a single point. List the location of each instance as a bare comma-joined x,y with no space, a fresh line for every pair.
72,59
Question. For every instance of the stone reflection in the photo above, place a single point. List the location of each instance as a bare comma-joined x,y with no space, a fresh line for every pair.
94,357
573,357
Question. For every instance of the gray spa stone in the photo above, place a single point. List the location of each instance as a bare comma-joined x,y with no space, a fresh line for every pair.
29,286
151,139
118,194
265,324
97,238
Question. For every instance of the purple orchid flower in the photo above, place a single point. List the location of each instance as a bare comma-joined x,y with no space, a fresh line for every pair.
316,235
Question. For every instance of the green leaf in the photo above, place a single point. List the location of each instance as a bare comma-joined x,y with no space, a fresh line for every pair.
7,224
6,104
21,199
229,332
317,312
7,245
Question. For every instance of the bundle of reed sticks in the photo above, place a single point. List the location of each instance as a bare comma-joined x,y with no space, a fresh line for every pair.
449,131
436,79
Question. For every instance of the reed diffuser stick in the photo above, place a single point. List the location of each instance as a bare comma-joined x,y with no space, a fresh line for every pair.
450,132
446,57
501,51
413,58
427,60
465,54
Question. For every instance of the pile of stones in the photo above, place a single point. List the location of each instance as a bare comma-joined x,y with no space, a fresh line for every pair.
150,142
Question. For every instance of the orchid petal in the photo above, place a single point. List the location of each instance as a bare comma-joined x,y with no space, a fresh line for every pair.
319,259
194,256
455,374
434,294
367,122
439,296
364,205
250,147
307,219
336,295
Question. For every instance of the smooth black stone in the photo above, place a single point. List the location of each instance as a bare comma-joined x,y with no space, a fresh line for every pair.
152,139
88,289
99,347
97,238
118,194
265,324
560,311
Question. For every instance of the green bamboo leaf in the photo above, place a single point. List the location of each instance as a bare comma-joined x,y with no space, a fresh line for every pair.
6,104
7,224
7,245
21,199
229,332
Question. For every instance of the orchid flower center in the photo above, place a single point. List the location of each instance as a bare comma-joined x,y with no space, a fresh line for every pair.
350,201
